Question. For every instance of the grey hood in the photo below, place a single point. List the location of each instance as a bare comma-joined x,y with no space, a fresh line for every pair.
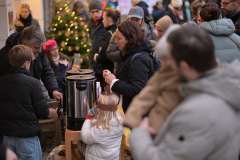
220,27
222,82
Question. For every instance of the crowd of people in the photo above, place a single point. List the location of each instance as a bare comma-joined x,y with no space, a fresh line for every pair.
186,109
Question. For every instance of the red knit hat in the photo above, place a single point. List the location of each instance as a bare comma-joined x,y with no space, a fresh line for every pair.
49,45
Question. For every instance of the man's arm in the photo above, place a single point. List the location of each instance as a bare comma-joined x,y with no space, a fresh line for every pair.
188,135
48,77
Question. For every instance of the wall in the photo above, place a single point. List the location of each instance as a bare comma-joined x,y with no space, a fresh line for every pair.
6,16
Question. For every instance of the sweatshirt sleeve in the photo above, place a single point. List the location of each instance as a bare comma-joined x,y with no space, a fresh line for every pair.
188,135
38,101
48,76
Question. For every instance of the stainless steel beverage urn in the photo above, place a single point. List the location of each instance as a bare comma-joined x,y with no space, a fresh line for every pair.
80,96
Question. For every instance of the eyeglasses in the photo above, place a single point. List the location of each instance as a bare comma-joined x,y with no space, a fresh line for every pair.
225,3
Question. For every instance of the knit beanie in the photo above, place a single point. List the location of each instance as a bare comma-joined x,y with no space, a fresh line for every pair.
136,11
49,45
177,3
94,4
163,23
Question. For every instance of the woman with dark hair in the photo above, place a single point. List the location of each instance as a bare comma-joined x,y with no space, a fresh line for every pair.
111,18
226,42
25,19
137,67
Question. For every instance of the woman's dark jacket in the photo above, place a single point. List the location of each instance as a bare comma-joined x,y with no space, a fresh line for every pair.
144,6
102,58
21,104
134,73
29,21
97,34
157,13
40,67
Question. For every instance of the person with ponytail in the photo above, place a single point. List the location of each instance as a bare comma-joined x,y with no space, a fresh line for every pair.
111,18
226,42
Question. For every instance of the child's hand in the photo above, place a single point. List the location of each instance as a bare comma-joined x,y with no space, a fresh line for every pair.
145,125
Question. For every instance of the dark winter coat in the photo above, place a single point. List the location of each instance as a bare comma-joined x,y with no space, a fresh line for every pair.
102,58
144,6
134,74
97,35
21,104
236,21
40,67
175,15
157,13
27,22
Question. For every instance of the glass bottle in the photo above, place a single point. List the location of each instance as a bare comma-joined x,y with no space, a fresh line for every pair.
76,62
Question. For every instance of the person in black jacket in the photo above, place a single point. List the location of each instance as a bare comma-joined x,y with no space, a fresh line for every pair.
40,67
143,5
97,35
21,104
138,65
110,20
158,11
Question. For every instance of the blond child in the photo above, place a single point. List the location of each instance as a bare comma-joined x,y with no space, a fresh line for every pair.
103,132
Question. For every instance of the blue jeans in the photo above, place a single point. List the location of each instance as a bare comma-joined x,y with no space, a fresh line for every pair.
28,148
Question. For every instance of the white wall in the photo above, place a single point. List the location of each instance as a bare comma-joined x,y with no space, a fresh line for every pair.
6,28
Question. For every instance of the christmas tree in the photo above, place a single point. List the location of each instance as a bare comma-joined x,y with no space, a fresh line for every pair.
70,32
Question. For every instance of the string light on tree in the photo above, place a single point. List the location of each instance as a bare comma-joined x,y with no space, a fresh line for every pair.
70,32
